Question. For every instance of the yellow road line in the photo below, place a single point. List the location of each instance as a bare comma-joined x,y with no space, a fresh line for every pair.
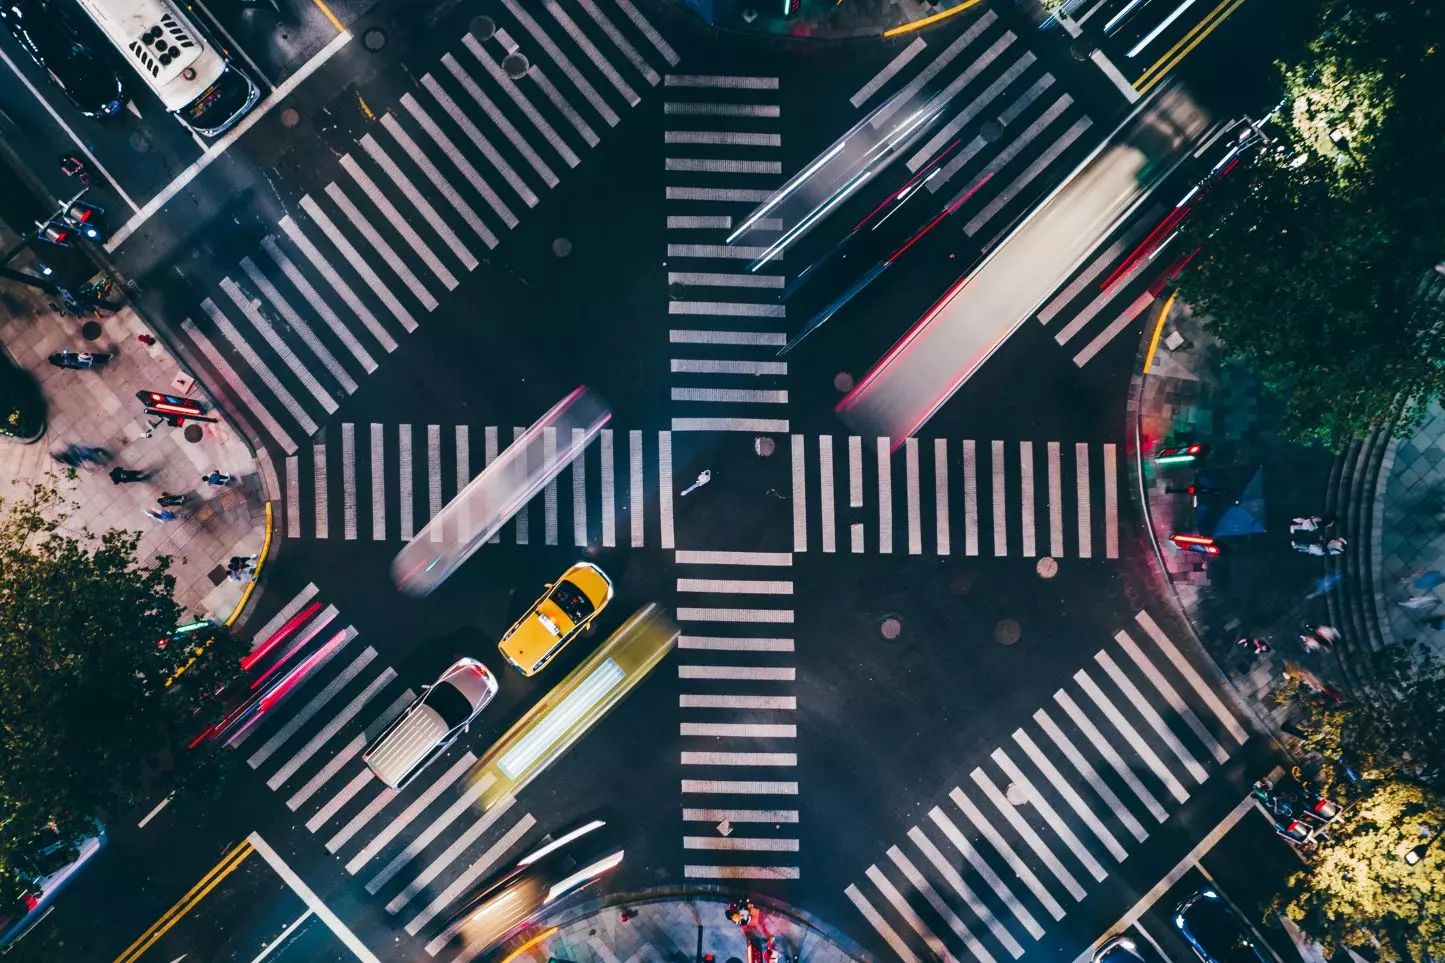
186,903
330,16
1208,24
529,944
260,563
926,21
1158,330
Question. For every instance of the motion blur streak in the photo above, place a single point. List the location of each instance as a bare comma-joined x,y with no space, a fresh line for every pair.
297,620
934,359
506,485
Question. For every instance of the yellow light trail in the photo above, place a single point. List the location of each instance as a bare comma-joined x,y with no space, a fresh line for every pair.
1158,330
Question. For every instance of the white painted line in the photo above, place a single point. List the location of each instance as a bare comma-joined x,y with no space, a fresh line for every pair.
940,496
706,109
739,758
1096,267
769,559
383,798
738,195
1151,715
1102,300
970,498
752,673
1081,478
735,615
320,490
766,426
1049,815
960,842
324,268
724,280
324,775
914,498
415,809
380,245
883,451
954,879
216,149
1000,499
459,118
787,703
319,702
1075,131
428,835
267,330
579,491
378,483
740,872
522,518
154,812
910,916
1192,676
713,165
1115,328
466,881
509,839
880,925
1111,502
907,95
429,215
298,323
693,221
434,476
404,482
561,60
463,209
464,474
490,442
721,82
800,495
739,788
233,380
1026,832
635,504
621,42
1106,750
740,815
244,349
828,522
549,177
855,471
1026,498
1019,867
1062,786
333,805
282,617
593,54
332,728
974,108
740,844
718,643
739,586
548,132
731,395
904,57
650,32
714,137
449,149
737,252
664,486
322,911
930,894
1091,775
354,258
855,533
1056,501
564,107
348,481
293,501
609,492
1171,695
739,730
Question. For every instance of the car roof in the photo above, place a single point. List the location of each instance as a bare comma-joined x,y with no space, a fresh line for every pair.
593,582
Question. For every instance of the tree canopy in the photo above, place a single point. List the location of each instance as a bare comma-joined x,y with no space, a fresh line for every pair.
88,694
1319,254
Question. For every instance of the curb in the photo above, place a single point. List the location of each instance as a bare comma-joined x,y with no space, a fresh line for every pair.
879,31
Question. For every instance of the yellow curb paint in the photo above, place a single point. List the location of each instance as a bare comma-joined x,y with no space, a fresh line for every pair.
330,16
934,18
260,564
1158,330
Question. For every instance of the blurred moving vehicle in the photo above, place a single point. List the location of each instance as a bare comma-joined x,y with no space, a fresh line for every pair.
431,724
564,865
1118,949
1215,931
570,606
59,43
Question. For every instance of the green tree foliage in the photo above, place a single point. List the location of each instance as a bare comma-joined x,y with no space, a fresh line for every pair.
87,696
1316,255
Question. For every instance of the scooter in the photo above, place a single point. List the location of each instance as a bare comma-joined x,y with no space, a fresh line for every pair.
79,360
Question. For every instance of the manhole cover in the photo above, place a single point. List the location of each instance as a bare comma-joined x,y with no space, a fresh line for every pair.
561,247
1007,632
193,433
90,330
960,583
374,39
484,28
843,381
1016,794
1047,567
515,65
141,139
764,446
891,627
677,291
990,131
289,117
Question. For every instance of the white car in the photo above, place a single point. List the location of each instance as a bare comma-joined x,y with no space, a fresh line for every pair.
432,723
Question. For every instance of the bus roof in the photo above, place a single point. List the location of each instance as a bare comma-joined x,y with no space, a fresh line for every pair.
161,44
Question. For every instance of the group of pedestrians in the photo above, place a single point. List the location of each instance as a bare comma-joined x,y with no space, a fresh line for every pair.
1314,535
1314,638
167,500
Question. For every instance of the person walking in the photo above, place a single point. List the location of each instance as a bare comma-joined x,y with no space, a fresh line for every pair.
161,515
1336,546
1310,524
1308,548
239,569
216,478
167,500
124,476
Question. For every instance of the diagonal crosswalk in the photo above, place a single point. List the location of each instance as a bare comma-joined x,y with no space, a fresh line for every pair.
929,496
1042,821
487,133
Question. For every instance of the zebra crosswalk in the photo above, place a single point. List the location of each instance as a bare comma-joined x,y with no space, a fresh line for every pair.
414,207
1055,811
421,849
937,496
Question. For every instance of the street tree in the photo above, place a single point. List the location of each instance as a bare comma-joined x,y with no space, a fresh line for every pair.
89,687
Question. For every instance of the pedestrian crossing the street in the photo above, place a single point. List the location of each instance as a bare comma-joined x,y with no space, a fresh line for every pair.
415,206
850,494
1055,811
420,850
723,139
737,713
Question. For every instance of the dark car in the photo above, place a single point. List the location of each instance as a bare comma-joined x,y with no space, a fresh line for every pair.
56,40
1216,932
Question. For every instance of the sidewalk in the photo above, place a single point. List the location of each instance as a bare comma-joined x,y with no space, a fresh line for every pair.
1409,541
98,408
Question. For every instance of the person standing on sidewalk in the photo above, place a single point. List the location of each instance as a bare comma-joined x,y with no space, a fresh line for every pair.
124,476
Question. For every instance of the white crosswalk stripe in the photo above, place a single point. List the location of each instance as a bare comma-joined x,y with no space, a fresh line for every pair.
944,882
342,289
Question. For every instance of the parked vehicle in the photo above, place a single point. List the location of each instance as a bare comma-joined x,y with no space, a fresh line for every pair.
59,40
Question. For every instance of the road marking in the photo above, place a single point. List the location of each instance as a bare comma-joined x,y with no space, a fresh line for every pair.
664,485
404,471
732,395
544,171
1097,266
219,147
1000,499
800,495
855,532
564,107
380,245
1131,736
828,522
463,209
740,844
716,643
634,477
549,492
965,892
595,55
548,132
715,137
1106,750
712,165
885,496
915,509
787,703
740,872
333,806
1115,328
1100,301
282,617
302,329
320,490
378,483
434,477
739,730
312,901
879,924
910,916
726,194
448,148
734,615
1192,676
560,59
975,107
464,476
907,94
324,268
693,221
737,252
579,489
650,32
609,492
280,940
1056,501
1050,155
1056,779
324,775
489,452
940,495
233,380
904,57
740,815
428,213
418,805
739,586
1020,869
724,280
1111,502
1081,481
1041,849
468,879
706,109
244,349
740,788
1151,715
930,894
1086,769
1171,695
428,835
621,42
154,812
357,262
293,499
383,798
1049,815
739,758
764,426
448,856
755,673
228,864
855,471
459,118
970,498
769,559
267,331
1001,890
348,481
523,516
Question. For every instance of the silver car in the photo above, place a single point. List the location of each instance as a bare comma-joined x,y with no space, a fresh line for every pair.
431,723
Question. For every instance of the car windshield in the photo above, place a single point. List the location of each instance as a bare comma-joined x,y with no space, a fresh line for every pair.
220,102
1220,933
449,703
569,599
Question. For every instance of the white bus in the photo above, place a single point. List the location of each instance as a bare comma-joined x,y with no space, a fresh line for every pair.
192,78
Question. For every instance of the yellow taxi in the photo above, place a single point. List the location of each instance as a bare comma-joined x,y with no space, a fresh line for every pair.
570,605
